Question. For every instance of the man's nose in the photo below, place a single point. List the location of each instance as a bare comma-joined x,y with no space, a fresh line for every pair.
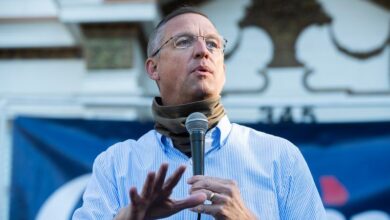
200,48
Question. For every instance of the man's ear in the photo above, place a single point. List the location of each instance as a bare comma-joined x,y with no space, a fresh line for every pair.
151,68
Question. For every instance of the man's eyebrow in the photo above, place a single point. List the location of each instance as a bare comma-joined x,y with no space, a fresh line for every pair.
184,33
190,33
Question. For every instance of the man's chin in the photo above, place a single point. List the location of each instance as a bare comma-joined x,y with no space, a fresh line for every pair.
203,95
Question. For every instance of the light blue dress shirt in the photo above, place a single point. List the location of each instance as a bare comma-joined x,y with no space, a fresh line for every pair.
273,177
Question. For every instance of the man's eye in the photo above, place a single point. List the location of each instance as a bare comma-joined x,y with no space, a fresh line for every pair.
212,44
184,42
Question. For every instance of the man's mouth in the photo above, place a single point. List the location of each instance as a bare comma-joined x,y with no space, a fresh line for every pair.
202,69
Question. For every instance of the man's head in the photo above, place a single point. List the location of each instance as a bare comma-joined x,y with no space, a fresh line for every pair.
185,58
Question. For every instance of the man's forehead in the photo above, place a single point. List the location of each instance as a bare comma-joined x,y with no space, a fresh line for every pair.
190,22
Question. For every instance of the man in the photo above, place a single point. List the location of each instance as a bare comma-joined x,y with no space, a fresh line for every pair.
248,174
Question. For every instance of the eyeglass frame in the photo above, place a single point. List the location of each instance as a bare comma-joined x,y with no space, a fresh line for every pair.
224,42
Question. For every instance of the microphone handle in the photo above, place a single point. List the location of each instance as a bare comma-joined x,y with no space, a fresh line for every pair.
197,148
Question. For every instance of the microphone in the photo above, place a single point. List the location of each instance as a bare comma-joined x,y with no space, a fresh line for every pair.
196,125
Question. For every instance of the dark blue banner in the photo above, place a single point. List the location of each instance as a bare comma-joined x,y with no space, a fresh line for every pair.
349,162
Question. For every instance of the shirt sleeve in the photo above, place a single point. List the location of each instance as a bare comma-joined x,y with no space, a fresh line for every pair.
302,200
100,200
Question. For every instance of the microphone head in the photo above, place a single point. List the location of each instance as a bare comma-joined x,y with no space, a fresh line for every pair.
197,121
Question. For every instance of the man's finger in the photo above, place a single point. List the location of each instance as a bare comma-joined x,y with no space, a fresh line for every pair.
147,189
207,209
205,191
174,179
191,201
197,178
137,209
135,198
209,184
160,178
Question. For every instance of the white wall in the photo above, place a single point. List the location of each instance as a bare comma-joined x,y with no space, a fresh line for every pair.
64,88
358,27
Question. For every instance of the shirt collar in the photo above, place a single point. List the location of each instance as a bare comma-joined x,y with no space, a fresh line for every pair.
215,138
223,128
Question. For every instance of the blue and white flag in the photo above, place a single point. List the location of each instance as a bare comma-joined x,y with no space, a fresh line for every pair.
52,160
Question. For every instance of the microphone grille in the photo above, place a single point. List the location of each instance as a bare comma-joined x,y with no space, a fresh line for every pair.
197,121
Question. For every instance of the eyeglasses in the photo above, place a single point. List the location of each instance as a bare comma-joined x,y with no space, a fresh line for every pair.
213,43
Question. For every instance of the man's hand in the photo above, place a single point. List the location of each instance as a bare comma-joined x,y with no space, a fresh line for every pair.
226,202
154,201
